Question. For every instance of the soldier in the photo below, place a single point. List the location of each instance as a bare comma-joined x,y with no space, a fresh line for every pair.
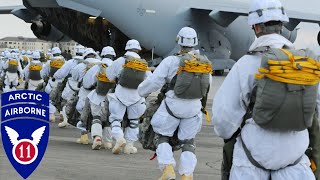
129,71
96,110
13,72
32,72
189,76
47,73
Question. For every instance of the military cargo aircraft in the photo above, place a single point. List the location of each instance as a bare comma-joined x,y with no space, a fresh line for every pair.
224,35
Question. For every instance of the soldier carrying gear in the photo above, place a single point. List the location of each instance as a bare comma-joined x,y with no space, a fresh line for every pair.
76,94
189,77
95,115
32,72
266,103
13,72
24,59
126,98
47,73
62,75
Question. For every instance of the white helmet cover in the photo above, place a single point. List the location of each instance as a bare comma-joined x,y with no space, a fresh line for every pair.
108,51
89,51
133,44
263,11
56,50
80,49
36,55
187,37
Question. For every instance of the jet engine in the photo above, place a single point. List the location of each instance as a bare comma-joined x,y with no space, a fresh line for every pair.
46,31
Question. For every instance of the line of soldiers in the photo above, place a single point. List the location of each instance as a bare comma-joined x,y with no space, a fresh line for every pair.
106,97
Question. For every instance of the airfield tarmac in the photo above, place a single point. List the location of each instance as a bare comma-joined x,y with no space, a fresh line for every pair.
66,160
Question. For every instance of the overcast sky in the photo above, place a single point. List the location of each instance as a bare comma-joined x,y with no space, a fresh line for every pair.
307,37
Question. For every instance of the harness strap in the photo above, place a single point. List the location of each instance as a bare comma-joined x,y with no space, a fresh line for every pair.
169,111
255,163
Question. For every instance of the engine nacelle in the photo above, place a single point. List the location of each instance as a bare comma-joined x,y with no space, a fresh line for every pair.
45,31
290,35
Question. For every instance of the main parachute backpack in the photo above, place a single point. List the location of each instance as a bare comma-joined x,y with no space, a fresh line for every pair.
55,65
13,66
103,83
193,76
133,73
34,71
287,88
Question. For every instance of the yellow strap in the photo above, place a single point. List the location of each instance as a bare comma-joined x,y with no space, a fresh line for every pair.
137,65
298,70
57,63
35,67
313,166
195,67
103,77
208,117
13,62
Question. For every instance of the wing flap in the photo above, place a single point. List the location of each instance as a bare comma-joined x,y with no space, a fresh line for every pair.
8,9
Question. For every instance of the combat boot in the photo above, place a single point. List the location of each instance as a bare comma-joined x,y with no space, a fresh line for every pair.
52,117
107,145
185,177
120,143
84,139
97,143
130,149
168,173
63,124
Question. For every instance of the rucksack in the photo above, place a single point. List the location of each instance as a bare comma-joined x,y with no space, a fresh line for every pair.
287,89
147,137
12,66
133,73
193,77
103,83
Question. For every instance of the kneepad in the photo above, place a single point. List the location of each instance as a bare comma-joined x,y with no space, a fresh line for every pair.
161,139
134,123
188,145
96,120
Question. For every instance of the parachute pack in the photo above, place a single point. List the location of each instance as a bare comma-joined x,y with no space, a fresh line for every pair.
34,71
13,66
287,88
193,76
103,83
55,65
133,73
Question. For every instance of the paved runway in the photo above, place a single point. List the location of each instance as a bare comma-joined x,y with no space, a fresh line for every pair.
66,160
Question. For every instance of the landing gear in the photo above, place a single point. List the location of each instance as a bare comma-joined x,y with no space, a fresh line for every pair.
218,72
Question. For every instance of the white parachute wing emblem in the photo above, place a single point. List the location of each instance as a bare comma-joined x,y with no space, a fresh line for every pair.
13,135
37,134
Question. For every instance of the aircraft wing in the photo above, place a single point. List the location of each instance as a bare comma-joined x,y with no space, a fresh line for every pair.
224,13
8,9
